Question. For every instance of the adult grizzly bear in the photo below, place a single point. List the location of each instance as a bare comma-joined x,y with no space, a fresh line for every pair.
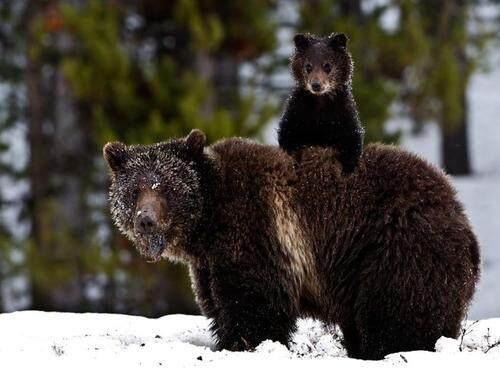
386,252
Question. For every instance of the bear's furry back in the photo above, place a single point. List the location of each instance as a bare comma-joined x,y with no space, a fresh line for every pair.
385,252
392,229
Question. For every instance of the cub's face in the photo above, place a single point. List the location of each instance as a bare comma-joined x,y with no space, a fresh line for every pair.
321,65
155,194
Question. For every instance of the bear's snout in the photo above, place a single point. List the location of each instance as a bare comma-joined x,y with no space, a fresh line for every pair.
149,225
145,222
149,213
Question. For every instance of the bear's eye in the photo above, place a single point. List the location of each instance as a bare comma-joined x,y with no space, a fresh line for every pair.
327,67
309,68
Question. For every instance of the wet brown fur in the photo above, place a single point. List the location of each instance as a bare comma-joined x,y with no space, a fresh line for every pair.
386,252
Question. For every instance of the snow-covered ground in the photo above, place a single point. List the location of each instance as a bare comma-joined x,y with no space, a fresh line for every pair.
64,342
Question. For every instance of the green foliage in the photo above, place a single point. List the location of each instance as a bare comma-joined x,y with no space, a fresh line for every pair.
206,29
145,101
452,50
424,62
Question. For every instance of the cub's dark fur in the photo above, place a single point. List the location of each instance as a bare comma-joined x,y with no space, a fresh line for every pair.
321,110
386,253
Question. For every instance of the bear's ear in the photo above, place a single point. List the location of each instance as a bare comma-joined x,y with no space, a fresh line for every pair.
338,40
195,141
302,41
115,154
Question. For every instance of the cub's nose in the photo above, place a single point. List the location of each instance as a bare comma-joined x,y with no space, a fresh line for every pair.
316,86
144,223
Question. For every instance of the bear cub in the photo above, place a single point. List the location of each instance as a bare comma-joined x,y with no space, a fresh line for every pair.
321,110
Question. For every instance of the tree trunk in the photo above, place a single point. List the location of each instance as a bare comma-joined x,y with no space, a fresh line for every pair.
72,160
455,144
226,81
37,164
455,140
351,8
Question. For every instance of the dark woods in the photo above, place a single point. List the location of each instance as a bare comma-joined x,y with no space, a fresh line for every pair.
76,74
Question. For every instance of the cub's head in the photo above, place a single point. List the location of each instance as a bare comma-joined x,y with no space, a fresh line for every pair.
321,65
155,194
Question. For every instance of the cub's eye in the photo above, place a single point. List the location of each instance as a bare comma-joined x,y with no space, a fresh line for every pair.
327,67
135,194
309,68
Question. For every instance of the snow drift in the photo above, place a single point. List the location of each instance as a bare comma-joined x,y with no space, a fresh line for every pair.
78,343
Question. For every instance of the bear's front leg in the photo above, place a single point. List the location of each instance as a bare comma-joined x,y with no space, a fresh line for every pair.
350,153
252,306
200,278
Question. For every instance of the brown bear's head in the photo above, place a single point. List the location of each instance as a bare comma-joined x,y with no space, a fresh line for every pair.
155,193
321,65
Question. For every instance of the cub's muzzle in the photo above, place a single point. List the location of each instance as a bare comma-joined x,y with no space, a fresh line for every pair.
316,86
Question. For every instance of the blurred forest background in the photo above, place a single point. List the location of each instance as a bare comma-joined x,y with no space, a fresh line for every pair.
75,74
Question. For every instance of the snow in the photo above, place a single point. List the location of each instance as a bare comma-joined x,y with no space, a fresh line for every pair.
480,195
62,342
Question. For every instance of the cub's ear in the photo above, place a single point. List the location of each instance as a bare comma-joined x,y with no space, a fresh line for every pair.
338,40
302,41
196,140
115,154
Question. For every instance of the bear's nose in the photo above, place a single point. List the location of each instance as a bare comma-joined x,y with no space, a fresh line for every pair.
145,224
316,86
